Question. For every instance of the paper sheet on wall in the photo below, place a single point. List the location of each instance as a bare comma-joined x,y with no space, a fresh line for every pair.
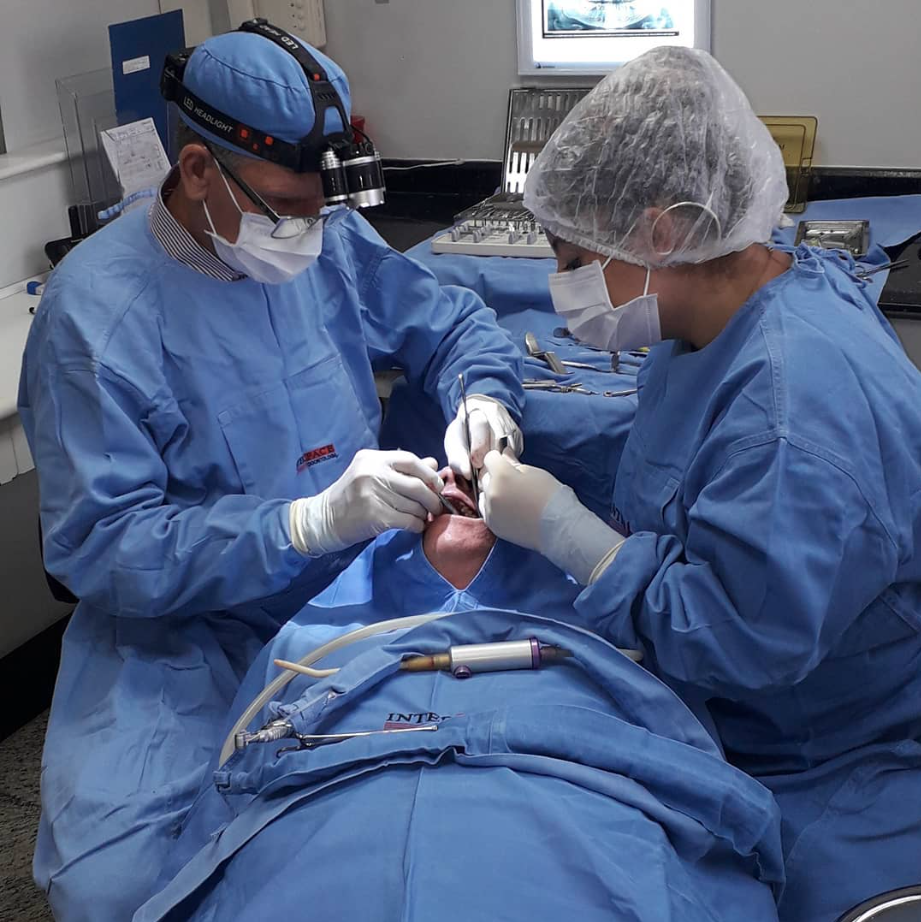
136,155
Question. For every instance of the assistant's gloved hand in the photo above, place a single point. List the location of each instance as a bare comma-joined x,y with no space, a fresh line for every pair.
379,490
531,508
489,422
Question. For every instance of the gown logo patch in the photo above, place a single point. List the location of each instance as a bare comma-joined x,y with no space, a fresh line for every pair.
398,721
316,456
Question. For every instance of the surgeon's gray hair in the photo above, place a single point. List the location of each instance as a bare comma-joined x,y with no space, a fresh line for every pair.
184,136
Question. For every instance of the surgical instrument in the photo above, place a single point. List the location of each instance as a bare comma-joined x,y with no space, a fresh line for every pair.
464,660
282,728
474,479
566,333
852,236
312,740
586,367
448,505
558,366
621,367
272,689
622,363
344,640
550,358
864,273
574,387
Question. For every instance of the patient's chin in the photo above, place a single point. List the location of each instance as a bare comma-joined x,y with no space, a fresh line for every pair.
457,547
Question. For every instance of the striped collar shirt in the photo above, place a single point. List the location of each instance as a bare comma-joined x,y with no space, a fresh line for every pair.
179,243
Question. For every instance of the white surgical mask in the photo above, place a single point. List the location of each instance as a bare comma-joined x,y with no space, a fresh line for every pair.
581,298
261,256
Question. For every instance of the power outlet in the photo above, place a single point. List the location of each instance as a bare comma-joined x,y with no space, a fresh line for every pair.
302,17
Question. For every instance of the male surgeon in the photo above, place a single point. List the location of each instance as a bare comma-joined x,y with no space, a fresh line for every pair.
198,393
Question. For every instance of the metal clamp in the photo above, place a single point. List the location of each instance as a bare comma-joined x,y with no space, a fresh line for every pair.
307,741
575,387
865,273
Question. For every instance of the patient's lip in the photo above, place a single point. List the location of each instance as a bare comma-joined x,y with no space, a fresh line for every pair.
457,491
461,502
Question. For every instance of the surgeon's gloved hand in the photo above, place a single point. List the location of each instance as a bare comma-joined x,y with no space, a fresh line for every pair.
490,422
379,490
531,508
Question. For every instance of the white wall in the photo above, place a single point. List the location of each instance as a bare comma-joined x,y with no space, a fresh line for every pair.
40,41
432,76
856,66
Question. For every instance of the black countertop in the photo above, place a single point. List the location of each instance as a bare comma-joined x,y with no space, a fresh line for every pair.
422,200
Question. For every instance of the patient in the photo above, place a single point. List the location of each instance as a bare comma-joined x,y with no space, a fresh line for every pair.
583,789
458,564
457,545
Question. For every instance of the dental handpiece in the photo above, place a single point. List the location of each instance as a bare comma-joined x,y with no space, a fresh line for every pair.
464,660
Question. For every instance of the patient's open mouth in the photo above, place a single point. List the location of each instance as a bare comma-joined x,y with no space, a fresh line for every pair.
459,493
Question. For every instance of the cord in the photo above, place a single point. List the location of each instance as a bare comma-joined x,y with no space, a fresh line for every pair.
279,682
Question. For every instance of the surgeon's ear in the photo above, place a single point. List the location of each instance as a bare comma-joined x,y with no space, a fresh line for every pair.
659,233
196,170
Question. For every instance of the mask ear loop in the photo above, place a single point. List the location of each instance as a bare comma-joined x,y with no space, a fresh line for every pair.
706,209
604,266
233,198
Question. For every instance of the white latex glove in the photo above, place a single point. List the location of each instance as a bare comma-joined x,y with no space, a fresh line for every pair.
531,508
379,490
489,422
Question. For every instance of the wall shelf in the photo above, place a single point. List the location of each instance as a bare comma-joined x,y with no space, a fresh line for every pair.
30,159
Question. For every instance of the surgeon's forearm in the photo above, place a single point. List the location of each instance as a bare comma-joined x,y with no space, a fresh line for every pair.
575,539
163,560
473,345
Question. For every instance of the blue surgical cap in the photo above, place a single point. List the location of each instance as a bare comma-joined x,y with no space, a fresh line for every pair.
260,84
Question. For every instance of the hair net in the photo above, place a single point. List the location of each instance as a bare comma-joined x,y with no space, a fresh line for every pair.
663,163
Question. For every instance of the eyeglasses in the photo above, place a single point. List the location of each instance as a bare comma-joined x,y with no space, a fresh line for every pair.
286,227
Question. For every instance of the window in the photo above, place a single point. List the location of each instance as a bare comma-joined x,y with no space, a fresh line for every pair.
594,36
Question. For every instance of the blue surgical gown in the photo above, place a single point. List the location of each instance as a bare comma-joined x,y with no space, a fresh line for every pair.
771,485
583,790
172,418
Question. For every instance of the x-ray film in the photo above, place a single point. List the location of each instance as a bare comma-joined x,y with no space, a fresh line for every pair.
599,18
